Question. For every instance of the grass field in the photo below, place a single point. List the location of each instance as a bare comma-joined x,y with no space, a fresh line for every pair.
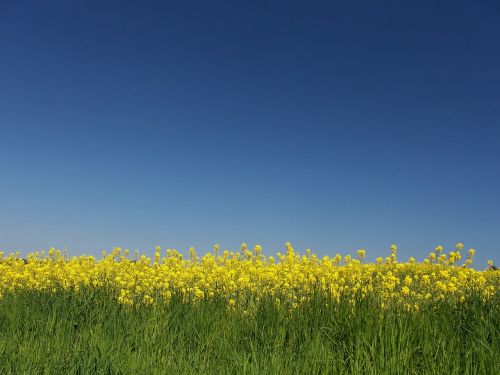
327,318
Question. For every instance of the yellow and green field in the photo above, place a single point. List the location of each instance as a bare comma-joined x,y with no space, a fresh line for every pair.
244,312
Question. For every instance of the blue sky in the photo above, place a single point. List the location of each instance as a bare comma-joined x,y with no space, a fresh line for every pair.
333,125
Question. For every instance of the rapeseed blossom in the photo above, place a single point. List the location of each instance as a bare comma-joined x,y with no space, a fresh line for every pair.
246,276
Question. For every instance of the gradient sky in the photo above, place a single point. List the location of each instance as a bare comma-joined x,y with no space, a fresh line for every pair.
335,125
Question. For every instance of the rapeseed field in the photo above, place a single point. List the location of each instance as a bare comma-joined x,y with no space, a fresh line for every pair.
244,312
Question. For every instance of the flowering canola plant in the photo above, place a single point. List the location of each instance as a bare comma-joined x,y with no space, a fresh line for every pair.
245,277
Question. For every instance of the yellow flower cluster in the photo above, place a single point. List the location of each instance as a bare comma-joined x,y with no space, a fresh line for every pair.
248,275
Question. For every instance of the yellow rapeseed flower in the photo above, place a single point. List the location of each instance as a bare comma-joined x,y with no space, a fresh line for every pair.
289,279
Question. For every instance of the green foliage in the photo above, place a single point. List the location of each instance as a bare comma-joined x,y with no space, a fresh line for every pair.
90,333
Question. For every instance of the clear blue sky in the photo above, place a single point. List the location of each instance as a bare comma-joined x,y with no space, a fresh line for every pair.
335,125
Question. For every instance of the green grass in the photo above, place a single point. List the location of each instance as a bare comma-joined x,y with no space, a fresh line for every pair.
89,333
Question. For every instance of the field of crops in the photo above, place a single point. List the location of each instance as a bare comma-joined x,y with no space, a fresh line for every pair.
243,312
